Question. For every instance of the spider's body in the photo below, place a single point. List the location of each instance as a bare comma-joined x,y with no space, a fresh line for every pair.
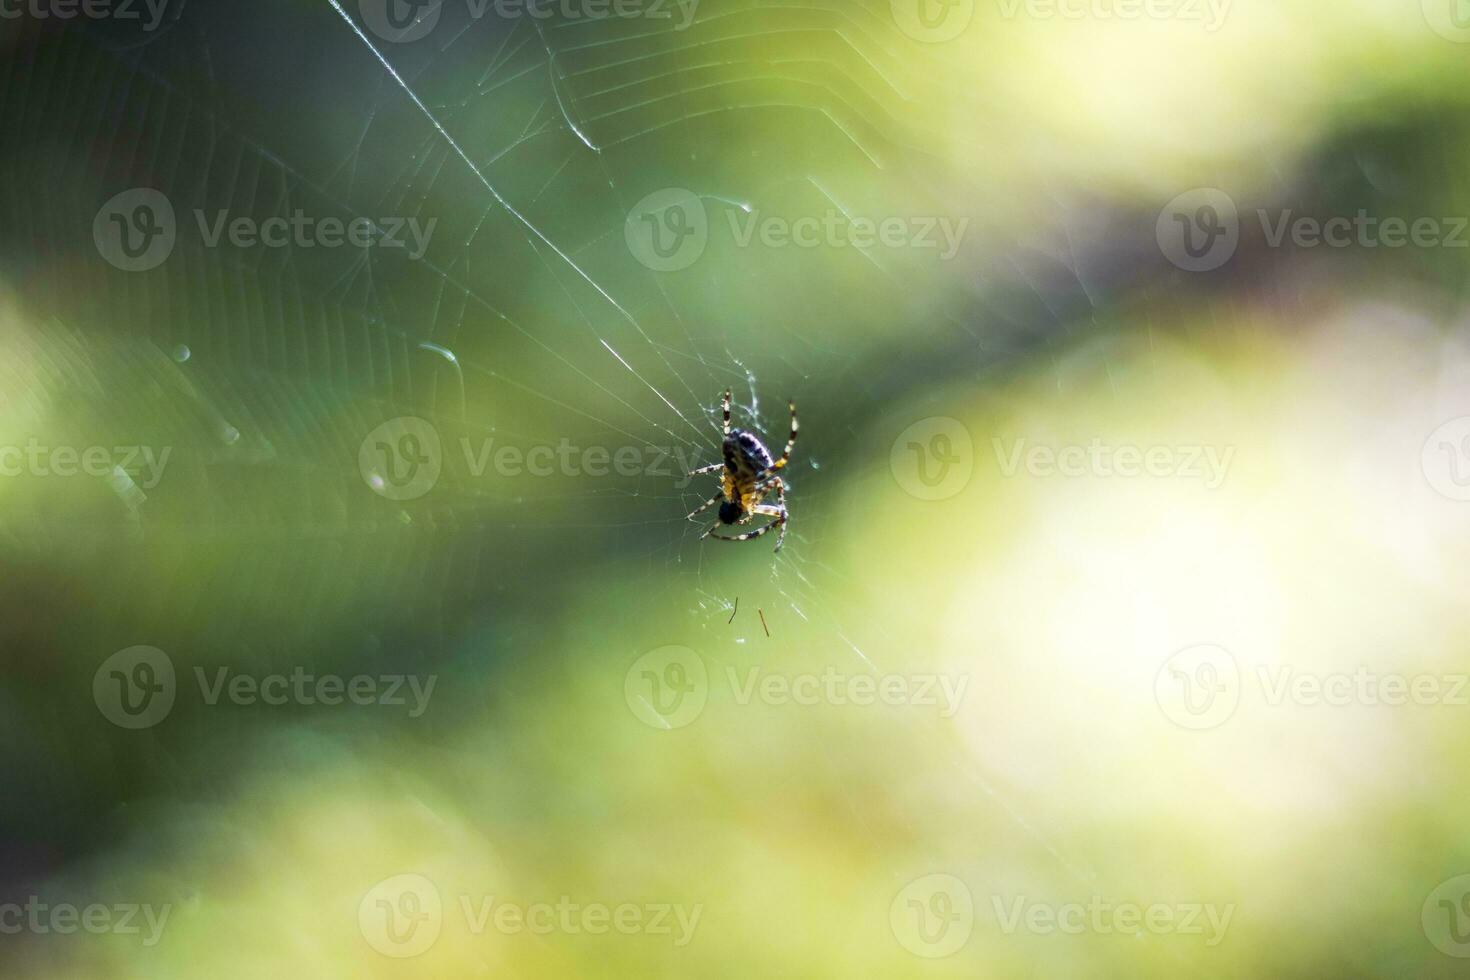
746,461
749,475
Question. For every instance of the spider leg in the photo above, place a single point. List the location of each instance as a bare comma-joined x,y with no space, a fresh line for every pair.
711,468
768,482
779,519
777,512
719,495
790,440
726,407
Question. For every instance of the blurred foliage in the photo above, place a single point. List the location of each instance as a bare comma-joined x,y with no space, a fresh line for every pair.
792,827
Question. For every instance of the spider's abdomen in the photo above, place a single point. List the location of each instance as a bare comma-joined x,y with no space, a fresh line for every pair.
745,456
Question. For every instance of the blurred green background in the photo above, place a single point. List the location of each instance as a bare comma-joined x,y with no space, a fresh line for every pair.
1084,669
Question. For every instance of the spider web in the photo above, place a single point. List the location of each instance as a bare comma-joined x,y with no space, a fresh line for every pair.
528,320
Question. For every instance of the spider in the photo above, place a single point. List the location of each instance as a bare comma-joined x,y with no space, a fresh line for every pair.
749,475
